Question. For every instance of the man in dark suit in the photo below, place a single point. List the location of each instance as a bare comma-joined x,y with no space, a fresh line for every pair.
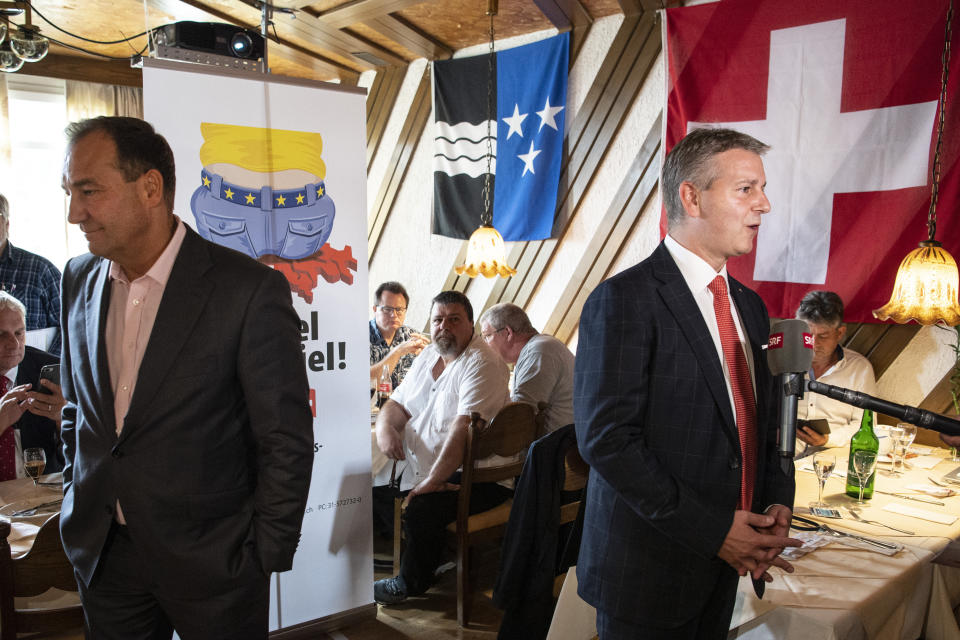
35,415
187,430
676,412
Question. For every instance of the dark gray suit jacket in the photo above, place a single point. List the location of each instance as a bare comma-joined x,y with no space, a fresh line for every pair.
655,424
213,465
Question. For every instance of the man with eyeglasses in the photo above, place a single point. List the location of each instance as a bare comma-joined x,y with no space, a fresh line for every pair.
392,344
543,370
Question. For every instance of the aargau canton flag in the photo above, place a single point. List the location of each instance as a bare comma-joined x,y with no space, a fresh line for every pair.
526,138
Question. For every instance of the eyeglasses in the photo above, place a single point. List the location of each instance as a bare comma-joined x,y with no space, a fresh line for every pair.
489,336
392,311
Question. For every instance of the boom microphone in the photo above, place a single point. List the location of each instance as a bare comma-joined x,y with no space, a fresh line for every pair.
789,356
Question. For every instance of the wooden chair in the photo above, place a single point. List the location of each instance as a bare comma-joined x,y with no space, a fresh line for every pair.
574,479
24,581
508,435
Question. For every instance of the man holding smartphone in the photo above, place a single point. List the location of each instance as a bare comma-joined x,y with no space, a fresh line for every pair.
29,408
832,364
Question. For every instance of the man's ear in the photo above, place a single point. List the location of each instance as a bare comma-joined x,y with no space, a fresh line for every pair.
152,185
690,199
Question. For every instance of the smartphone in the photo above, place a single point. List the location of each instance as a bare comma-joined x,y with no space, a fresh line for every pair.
819,425
49,372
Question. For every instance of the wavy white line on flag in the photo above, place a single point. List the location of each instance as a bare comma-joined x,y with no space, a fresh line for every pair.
463,164
474,132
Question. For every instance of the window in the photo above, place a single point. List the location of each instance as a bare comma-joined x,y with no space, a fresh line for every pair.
38,220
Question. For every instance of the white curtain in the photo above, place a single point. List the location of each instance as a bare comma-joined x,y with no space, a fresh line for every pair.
90,99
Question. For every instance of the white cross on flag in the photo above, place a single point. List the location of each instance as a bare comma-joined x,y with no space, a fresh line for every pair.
845,93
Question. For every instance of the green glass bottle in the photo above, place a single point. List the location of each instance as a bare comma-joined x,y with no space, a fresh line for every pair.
863,440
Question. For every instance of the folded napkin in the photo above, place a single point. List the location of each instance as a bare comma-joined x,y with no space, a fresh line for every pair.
925,462
931,490
922,514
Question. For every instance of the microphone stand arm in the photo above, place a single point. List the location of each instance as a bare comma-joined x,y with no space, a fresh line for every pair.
913,415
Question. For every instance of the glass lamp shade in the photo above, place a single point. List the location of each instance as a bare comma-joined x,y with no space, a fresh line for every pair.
9,61
925,289
29,45
486,255
3,31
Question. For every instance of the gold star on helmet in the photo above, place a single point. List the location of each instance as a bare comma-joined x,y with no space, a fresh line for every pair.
281,201
319,192
228,193
299,198
206,181
250,198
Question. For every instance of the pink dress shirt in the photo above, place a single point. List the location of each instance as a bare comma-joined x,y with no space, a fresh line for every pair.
130,317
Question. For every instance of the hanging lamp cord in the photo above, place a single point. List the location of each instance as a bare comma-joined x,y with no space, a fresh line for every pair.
486,218
944,76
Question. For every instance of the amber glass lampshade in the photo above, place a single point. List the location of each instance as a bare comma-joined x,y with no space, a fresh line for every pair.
925,289
486,255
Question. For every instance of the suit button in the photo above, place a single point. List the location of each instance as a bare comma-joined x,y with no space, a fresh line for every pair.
734,464
116,453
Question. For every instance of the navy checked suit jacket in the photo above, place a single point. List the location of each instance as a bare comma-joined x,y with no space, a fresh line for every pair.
213,464
654,422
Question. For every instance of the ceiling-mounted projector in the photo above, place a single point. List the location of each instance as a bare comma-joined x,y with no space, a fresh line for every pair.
211,37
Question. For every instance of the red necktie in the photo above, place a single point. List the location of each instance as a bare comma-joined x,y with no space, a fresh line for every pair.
8,444
742,387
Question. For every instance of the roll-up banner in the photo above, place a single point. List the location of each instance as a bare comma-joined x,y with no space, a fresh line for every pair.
274,167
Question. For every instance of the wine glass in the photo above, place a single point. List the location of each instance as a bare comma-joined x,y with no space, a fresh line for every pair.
909,433
897,436
823,464
864,463
34,460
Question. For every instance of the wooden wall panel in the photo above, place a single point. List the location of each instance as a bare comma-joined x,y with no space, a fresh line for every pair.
410,134
608,240
380,101
880,343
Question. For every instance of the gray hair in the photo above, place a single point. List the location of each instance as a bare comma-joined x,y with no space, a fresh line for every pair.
510,315
690,160
4,208
821,307
7,301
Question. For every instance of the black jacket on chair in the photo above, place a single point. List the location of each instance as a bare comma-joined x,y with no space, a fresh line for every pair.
528,559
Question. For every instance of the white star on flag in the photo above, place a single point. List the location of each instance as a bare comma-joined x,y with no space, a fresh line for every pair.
515,121
547,115
528,159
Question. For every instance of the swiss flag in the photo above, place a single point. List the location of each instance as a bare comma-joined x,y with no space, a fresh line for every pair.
846,95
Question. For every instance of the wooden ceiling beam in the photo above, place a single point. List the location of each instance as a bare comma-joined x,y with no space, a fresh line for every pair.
55,65
564,14
305,27
409,37
361,11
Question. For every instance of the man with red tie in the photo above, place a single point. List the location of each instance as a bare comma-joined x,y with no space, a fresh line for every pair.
676,412
28,417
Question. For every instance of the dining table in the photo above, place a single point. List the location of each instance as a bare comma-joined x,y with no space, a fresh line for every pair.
18,497
843,589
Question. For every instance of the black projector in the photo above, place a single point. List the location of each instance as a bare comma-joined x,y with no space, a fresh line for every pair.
211,37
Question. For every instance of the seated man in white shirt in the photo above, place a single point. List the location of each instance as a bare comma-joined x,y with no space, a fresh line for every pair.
544,365
425,426
832,364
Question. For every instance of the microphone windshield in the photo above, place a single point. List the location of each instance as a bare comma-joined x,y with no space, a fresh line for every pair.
790,347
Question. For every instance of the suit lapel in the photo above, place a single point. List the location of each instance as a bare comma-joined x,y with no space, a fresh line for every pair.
679,300
97,302
184,299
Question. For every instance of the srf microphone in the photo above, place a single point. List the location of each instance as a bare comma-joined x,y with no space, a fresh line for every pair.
789,356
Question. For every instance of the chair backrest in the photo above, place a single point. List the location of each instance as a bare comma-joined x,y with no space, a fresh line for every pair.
507,435
45,565
576,470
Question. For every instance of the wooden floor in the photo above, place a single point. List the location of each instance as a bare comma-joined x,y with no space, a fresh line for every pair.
431,617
